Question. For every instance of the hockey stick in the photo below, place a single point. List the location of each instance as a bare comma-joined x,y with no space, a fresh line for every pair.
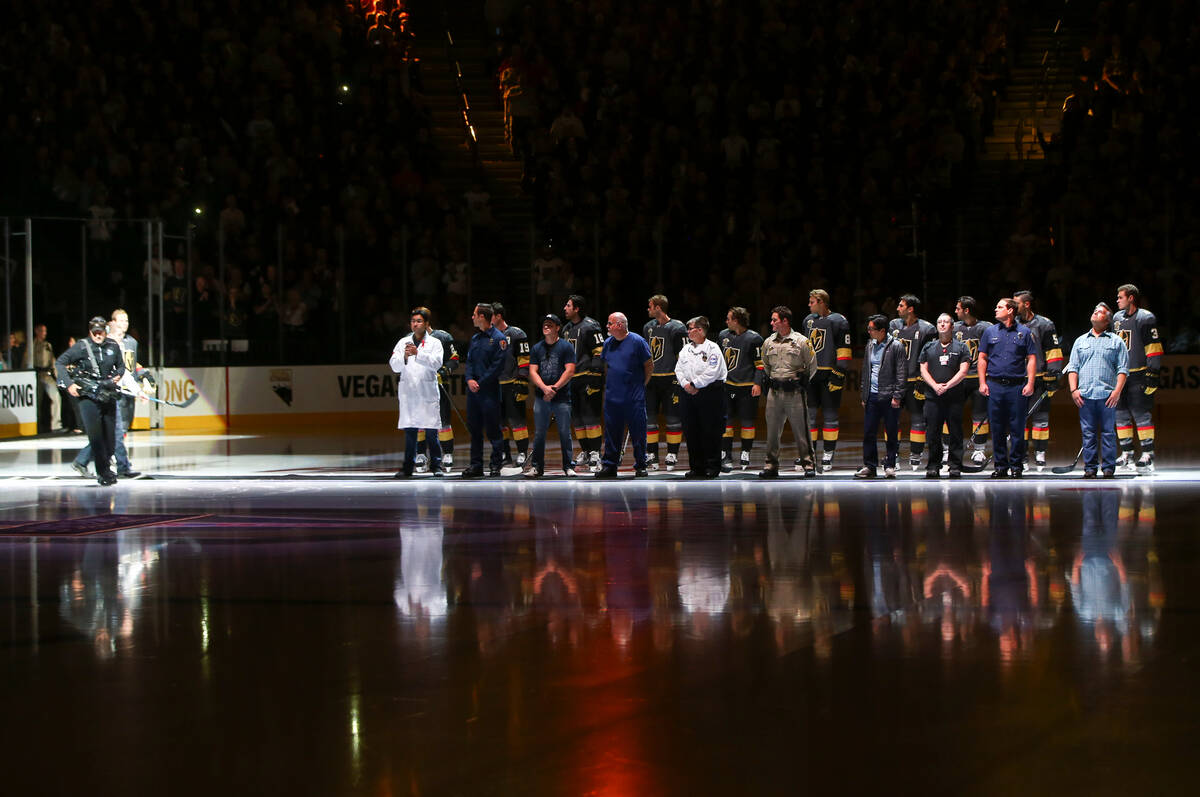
1061,469
1028,414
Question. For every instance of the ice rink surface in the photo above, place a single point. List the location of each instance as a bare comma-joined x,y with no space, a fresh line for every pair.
276,613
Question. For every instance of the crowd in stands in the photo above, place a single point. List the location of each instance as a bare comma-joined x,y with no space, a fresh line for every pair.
767,147
1120,184
301,121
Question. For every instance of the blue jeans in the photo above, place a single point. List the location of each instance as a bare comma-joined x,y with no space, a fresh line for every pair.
1006,416
543,411
1097,419
879,408
410,448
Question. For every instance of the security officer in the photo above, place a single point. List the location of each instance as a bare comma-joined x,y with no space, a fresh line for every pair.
944,364
969,329
39,355
97,357
1139,329
742,349
914,333
788,365
701,372
666,337
485,360
1007,368
1049,369
583,332
628,365
829,334
514,387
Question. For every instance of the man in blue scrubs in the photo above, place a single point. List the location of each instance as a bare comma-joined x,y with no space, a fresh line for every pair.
628,366
1007,367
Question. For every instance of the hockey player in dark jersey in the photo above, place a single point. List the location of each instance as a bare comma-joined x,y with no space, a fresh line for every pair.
914,333
666,336
1049,369
1139,329
450,363
829,334
514,389
742,349
969,329
582,332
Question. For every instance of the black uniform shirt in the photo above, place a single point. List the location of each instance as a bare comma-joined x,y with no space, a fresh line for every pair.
944,359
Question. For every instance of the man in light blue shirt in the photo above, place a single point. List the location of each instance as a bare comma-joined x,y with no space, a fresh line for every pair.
1096,373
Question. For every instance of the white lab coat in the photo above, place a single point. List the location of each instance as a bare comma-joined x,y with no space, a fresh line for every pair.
417,392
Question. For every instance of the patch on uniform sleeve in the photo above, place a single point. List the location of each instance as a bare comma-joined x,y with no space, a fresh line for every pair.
503,343
712,360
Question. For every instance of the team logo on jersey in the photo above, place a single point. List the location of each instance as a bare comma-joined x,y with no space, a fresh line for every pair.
732,356
907,347
1126,337
656,348
817,339
972,347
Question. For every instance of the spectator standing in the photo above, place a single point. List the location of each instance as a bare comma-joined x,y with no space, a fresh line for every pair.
1097,371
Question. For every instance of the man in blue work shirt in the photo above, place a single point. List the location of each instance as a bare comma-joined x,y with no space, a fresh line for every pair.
628,365
485,360
1007,367
1096,372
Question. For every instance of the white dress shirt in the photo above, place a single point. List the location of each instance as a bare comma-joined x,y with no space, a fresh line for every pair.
700,365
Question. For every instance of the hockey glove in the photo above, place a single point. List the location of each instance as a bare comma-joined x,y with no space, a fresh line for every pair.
1152,382
1050,384
837,380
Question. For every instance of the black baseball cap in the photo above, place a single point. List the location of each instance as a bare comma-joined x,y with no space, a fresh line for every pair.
553,319
97,323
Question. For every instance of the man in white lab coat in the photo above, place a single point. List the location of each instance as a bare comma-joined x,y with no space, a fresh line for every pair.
417,358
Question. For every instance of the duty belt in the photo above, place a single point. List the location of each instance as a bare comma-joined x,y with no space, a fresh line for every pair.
787,385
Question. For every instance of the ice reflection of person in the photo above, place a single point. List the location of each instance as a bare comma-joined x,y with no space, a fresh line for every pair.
1099,581
102,596
556,589
1136,531
1009,587
788,591
420,592
627,567
704,580
950,591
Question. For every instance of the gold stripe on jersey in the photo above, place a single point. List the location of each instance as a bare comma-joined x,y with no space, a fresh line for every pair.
844,354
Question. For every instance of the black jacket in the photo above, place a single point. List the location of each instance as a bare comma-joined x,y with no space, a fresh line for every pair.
893,371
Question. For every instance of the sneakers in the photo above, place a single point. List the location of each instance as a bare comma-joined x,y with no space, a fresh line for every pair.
568,471
889,472
744,460
978,457
671,461
864,473
827,461
594,462
1039,460
652,461
422,463
81,470
1145,462
128,474
914,462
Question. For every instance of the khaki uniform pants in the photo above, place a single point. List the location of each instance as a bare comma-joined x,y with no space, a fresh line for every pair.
788,407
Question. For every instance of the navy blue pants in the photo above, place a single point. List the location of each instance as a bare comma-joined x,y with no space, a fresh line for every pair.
483,417
1006,416
618,416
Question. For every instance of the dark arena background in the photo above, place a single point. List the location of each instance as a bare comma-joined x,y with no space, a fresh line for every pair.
260,607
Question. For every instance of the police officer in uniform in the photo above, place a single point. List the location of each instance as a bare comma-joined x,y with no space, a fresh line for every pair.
39,354
1049,369
666,337
1139,330
913,333
99,358
701,372
944,365
742,349
788,365
829,334
450,363
583,332
485,361
969,329
1007,371
514,388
